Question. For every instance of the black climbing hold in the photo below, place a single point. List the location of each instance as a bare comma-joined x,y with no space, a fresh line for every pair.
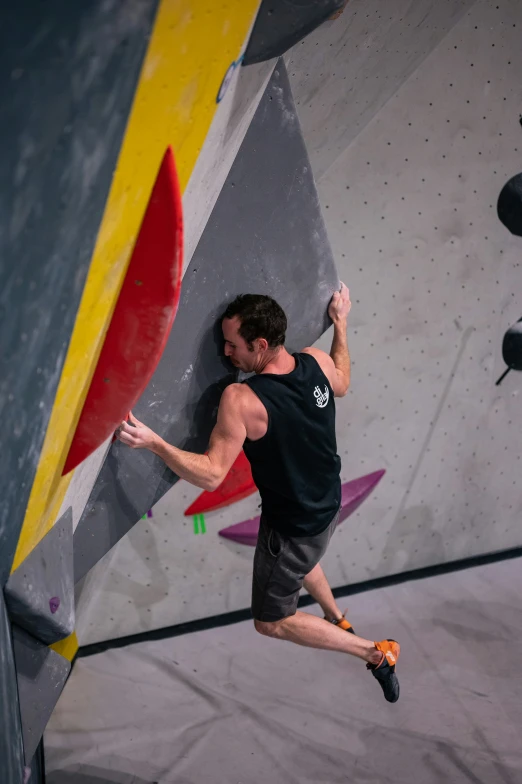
512,349
282,23
512,346
509,206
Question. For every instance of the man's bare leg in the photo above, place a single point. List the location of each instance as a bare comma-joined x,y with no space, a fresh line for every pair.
313,632
317,586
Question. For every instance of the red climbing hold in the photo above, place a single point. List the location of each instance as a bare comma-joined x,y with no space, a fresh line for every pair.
141,321
238,484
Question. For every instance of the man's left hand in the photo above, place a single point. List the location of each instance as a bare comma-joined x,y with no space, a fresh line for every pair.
137,435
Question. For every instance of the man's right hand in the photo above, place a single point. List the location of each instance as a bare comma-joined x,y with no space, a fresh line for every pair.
340,304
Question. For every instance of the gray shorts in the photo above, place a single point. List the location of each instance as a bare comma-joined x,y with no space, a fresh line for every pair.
280,565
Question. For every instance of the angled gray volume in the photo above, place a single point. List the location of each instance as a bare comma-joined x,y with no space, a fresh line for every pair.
281,25
265,235
11,749
40,593
41,674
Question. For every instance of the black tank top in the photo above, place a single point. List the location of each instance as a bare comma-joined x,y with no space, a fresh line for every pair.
295,465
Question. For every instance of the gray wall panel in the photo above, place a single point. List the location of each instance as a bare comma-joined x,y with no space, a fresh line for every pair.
40,593
41,674
344,72
11,749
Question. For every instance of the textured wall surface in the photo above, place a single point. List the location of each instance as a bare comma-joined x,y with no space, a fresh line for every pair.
190,47
40,593
345,71
41,675
85,126
67,81
11,747
223,141
410,207
436,280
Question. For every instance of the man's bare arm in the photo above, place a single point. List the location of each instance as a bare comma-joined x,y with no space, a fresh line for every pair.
336,366
341,356
205,471
196,469
338,310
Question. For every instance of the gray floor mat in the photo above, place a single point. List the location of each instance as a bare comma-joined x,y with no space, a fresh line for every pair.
229,706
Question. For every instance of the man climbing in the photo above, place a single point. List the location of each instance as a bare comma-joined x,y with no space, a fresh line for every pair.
284,419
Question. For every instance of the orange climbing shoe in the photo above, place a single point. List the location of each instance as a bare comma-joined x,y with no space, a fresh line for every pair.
384,672
342,623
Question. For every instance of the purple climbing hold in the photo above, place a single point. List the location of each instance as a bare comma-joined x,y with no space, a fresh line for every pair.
244,533
352,495
355,492
54,603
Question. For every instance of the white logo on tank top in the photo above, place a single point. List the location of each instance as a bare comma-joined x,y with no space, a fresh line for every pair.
322,398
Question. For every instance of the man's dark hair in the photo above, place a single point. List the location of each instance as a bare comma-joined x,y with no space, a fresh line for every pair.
260,317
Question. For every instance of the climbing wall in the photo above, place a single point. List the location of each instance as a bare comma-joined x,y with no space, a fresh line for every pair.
408,195
65,110
411,211
346,70
224,138
66,85
87,128
265,253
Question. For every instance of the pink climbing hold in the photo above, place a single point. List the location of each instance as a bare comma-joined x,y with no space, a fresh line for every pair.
352,495
54,603
243,533
355,492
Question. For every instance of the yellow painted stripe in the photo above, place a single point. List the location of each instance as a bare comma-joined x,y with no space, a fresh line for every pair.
192,45
67,648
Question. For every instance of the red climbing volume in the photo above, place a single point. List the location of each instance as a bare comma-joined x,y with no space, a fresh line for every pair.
238,484
141,321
